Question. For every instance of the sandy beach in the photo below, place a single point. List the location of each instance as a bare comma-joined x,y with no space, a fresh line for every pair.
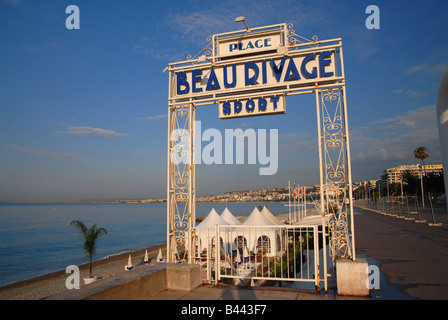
54,283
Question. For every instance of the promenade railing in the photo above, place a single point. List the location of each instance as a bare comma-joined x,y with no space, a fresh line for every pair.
431,211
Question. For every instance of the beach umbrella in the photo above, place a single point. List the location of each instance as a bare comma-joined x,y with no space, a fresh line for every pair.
245,254
129,265
159,256
145,259
238,257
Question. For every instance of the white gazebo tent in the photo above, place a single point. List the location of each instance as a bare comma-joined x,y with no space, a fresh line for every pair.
206,229
229,217
261,236
257,219
265,212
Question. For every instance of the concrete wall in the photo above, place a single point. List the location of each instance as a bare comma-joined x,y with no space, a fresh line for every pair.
352,277
183,277
138,284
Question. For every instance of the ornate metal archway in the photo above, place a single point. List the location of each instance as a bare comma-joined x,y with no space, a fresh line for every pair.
333,135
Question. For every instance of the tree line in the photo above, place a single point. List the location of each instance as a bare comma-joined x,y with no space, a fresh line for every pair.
432,183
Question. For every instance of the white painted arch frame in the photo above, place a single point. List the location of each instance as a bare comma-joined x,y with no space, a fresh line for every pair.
333,139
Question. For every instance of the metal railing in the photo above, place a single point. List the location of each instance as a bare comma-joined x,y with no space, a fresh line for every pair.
408,208
253,255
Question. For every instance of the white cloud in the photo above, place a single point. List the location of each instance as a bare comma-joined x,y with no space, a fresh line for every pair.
147,48
155,118
190,28
411,93
15,3
416,94
395,138
197,26
202,22
93,132
425,69
45,152
298,142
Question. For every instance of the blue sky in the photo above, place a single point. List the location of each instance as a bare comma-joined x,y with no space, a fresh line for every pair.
83,112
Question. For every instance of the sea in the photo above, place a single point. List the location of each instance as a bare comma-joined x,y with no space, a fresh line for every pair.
37,239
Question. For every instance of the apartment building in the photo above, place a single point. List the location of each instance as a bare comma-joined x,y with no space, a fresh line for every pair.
394,175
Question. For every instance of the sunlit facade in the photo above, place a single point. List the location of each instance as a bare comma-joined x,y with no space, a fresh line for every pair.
395,174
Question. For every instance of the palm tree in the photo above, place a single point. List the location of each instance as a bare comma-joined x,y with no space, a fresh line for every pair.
91,236
421,153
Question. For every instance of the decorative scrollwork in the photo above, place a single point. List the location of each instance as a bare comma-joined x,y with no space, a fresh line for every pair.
294,39
331,94
335,175
332,126
334,142
181,182
181,225
181,175
339,233
332,121
182,137
179,238
180,197
182,112
335,169
207,51
181,153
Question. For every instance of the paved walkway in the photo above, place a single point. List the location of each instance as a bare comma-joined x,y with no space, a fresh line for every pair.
221,292
412,256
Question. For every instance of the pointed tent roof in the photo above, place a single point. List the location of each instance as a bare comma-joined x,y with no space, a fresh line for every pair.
159,256
212,219
257,219
229,217
265,212
145,259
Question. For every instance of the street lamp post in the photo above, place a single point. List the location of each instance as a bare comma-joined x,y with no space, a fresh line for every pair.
421,183
401,182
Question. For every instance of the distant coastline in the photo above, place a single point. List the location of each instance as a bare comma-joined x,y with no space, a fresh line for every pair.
145,201
272,194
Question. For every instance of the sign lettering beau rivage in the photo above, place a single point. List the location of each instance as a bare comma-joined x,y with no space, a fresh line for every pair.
249,73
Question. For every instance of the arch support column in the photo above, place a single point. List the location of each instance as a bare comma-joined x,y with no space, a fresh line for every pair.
181,183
